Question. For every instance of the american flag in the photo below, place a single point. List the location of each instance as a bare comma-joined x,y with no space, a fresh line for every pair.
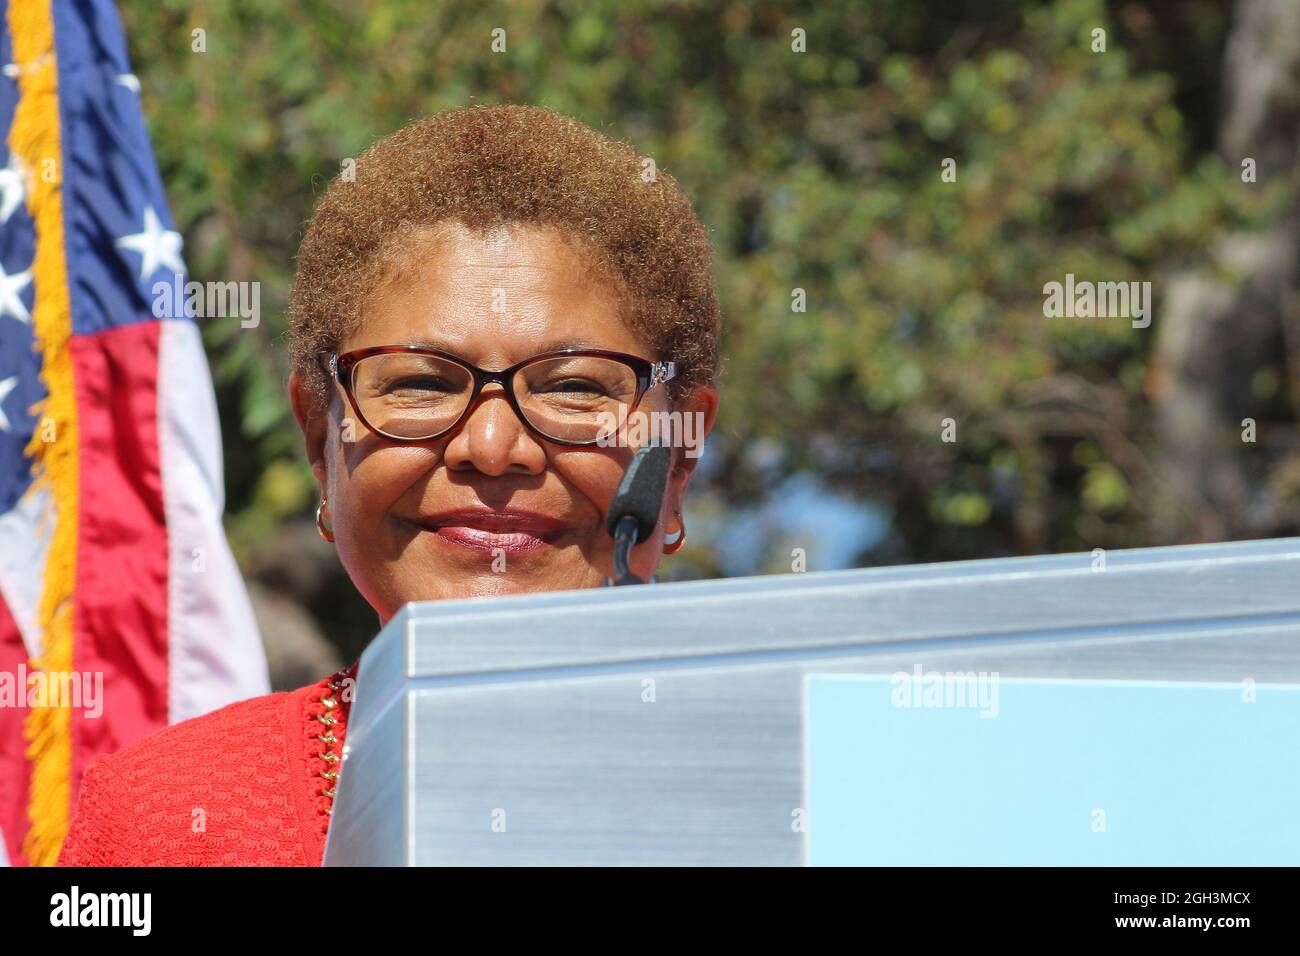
113,560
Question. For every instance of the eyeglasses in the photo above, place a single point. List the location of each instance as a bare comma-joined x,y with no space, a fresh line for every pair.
410,393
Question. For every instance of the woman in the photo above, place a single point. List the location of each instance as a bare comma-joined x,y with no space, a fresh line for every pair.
473,300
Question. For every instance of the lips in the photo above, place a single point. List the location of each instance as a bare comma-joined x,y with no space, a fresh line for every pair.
512,532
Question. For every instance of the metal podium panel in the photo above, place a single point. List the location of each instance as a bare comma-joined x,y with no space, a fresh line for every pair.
664,724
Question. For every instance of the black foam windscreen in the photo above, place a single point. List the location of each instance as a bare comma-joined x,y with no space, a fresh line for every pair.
640,494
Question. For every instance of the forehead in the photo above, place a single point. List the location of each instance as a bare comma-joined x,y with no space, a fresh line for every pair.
495,298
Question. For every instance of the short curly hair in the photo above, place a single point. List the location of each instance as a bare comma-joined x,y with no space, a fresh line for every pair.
484,167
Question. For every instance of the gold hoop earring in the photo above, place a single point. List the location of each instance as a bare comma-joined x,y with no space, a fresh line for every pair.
672,547
323,528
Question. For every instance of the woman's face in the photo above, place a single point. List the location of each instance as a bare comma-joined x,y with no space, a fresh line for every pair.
488,508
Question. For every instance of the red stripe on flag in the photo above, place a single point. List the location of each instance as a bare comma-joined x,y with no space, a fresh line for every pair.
15,771
120,618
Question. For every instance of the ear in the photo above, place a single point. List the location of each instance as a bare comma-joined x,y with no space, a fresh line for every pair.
699,410
312,416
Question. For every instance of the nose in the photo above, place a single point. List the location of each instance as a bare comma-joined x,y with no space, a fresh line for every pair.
493,441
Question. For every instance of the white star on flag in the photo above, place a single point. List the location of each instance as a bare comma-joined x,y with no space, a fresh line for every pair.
157,246
10,286
6,386
11,187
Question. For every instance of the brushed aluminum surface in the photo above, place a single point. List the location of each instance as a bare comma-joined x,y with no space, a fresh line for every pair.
663,724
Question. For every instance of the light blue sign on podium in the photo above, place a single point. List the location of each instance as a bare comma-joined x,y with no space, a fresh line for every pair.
935,769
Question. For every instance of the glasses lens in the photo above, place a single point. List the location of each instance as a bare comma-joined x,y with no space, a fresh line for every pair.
577,398
405,395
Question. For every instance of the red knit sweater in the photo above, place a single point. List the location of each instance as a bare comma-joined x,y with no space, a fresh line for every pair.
248,785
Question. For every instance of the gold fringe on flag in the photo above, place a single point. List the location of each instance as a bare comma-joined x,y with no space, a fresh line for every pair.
34,140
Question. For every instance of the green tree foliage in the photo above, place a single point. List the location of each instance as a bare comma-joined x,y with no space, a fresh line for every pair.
820,171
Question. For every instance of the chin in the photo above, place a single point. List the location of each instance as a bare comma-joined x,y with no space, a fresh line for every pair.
515,581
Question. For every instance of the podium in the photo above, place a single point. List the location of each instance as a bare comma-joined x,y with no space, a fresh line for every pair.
758,721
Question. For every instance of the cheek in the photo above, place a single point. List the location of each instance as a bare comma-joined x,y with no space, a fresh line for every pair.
371,476
592,475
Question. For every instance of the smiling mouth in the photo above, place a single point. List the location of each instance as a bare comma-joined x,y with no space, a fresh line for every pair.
510,532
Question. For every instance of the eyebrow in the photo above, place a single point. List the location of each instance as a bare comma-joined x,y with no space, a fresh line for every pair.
553,346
